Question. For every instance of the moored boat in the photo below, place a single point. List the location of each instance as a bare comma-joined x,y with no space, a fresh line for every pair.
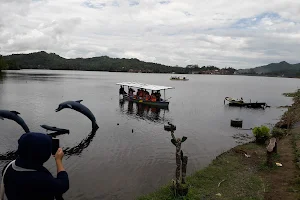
241,103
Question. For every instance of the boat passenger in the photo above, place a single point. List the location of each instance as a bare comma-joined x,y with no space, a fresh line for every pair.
147,97
158,95
141,94
121,90
153,98
130,93
144,93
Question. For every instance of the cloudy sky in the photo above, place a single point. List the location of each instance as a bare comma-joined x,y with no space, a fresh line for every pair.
236,33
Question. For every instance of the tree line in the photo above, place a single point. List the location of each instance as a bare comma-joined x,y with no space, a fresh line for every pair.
3,64
44,60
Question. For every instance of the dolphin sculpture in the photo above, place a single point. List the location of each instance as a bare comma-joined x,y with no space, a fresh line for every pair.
76,105
14,115
57,131
53,128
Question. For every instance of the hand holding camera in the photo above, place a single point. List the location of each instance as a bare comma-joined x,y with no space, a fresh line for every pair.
59,154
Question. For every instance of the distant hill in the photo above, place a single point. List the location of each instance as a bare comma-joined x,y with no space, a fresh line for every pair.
44,60
277,67
283,69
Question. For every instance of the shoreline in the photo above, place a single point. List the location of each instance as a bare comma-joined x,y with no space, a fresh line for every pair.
4,71
233,175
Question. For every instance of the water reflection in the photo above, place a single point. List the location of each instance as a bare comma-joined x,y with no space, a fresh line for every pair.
46,75
1,86
34,76
69,151
1,77
10,155
31,74
77,150
145,112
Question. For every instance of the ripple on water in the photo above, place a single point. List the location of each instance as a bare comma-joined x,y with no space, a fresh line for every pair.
135,157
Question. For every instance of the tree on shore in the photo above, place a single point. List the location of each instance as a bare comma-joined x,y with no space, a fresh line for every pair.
3,64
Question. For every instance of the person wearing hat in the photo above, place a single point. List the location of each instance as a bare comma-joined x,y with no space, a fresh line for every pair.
26,178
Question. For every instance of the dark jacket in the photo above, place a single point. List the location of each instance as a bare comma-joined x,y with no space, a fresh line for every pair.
34,150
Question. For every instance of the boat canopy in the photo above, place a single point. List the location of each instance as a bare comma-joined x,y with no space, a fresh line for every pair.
145,86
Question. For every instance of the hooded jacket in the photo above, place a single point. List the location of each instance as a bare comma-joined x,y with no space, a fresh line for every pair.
33,151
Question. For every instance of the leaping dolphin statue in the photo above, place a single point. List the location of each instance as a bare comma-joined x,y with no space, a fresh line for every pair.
76,105
53,128
14,115
57,131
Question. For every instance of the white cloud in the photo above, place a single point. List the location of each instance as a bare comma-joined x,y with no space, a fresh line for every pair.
175,32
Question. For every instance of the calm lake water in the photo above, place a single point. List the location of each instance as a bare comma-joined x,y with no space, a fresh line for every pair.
135,157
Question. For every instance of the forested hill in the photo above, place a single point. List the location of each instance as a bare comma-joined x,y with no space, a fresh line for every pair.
283,69
44,60
3,64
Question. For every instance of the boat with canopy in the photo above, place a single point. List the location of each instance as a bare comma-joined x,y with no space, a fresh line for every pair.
143,96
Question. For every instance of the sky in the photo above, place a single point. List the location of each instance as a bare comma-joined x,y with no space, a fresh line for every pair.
224,33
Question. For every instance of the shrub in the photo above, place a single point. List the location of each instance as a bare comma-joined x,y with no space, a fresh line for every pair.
261,134
278,132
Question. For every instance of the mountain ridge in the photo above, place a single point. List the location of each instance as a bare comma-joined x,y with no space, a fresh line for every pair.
44,60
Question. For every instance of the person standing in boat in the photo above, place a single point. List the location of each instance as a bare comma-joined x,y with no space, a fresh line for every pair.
158,96
130,92
121,90
140,94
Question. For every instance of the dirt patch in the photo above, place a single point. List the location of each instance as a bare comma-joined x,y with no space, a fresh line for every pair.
282,182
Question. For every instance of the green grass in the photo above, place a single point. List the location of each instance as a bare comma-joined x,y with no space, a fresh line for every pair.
241,181
292,94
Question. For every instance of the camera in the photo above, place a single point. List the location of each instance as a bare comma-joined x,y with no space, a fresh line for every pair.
55,145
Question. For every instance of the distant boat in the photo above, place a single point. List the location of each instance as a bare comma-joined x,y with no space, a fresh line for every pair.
178,78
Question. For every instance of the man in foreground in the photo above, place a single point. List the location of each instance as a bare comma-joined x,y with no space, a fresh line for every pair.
26,178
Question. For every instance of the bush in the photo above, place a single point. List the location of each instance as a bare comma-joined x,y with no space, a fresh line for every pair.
278,132
261,134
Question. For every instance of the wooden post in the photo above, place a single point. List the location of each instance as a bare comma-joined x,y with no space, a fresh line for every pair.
271,150
178,161
179,186
184,166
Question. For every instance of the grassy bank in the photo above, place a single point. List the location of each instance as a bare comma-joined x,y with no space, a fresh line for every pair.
232,175
235,173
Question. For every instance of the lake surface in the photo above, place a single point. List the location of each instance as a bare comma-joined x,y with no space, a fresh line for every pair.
135,157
